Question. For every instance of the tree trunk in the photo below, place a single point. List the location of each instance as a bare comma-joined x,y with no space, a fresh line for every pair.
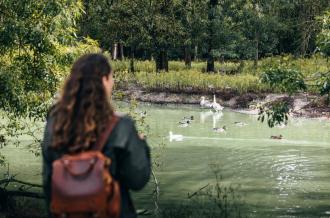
211,36
256,57
210,64
120,51
161,61
114,51
187,56
195,53
131,65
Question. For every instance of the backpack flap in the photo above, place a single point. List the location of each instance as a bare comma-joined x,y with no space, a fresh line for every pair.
80,183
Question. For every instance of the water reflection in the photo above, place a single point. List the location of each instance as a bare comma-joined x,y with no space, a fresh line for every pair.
290,171
216,116
204,115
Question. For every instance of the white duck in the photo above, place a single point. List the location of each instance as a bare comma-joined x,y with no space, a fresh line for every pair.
175,137
240,124
220,130
205,103
216,106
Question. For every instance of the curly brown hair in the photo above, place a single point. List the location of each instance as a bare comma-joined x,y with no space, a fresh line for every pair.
83,110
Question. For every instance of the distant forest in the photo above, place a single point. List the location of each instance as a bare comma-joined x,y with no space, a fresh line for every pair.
205,29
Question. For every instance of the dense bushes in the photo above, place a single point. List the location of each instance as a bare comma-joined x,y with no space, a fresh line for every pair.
284,79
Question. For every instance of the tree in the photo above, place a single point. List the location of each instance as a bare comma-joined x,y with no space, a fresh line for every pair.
323,39
299,25
211,30
37,44
31,38
194,22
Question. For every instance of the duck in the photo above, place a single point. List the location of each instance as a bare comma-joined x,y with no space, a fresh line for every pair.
220,130
191,118
184,123
216,106
205,103
240,124
173,137
276,137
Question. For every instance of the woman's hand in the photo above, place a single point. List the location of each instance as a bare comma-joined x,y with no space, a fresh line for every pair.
141,136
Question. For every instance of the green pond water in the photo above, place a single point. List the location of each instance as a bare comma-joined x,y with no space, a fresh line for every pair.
276,178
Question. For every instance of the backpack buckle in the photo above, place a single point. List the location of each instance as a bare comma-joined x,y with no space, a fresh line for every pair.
64,215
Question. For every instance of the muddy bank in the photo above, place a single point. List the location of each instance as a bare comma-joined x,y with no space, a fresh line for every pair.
302,105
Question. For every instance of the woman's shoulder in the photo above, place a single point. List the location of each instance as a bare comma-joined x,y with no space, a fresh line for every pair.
122,131
125,122
124,118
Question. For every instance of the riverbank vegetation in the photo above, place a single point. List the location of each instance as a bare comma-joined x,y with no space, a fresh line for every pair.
230,76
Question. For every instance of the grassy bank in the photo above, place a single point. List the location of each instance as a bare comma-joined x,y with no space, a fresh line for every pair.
241,77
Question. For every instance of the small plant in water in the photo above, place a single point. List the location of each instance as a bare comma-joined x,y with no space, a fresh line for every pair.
212,200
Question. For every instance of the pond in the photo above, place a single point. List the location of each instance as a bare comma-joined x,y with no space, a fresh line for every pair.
275,178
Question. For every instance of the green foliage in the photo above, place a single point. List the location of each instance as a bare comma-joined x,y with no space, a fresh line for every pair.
235,29
276,113
283,79
38,44
323,39
324,85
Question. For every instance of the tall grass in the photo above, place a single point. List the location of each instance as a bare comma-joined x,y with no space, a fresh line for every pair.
230,76
194,81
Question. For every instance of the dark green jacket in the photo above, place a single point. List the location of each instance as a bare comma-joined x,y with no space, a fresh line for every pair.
130,161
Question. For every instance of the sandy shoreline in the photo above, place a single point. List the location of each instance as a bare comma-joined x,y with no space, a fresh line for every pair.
303,105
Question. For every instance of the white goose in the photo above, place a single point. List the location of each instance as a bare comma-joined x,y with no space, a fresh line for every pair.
205,103
216,106
175,137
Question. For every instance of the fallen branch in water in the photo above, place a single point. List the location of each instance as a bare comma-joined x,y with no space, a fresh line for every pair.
13,180
196,192
24,194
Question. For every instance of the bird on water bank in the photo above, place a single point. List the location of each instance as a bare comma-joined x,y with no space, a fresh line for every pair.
216,106
205,103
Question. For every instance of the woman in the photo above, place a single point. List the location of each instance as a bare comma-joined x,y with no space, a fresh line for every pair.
79,118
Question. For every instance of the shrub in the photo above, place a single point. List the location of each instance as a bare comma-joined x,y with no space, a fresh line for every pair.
284,79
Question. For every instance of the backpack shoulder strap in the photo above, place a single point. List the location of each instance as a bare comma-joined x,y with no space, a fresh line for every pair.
98,146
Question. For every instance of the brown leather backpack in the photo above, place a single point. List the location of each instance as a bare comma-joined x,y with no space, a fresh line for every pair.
82,186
